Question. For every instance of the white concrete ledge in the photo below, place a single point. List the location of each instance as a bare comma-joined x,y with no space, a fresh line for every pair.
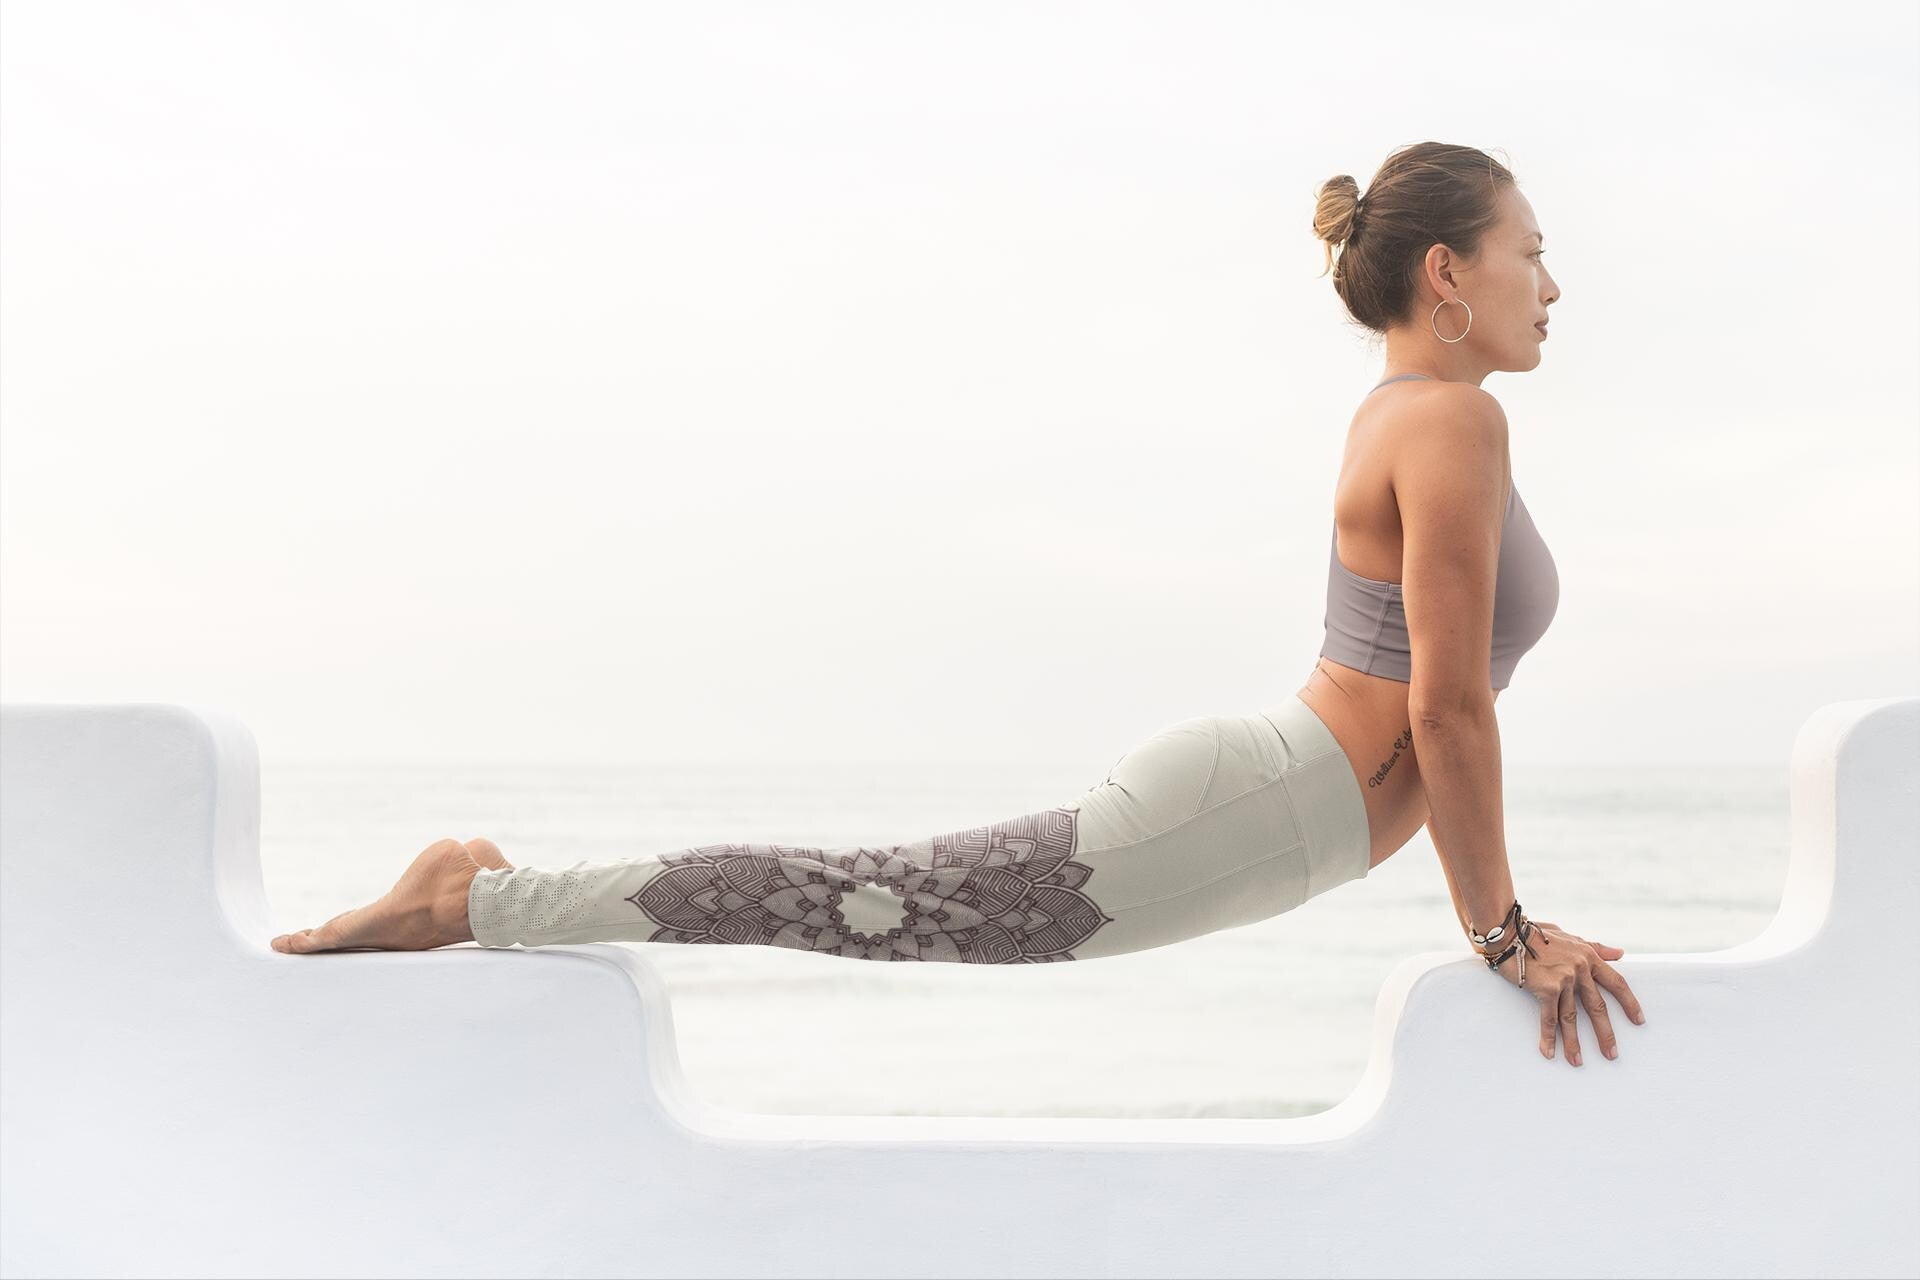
177,1099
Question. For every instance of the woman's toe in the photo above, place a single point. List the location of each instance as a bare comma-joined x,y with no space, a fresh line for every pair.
361,927
306,940
487,854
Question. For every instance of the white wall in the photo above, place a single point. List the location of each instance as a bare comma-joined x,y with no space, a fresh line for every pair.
178,1099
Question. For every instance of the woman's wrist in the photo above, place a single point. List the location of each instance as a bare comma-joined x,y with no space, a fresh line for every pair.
1527,942
1511,939
1493,938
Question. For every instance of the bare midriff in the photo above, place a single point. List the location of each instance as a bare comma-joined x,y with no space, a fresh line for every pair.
1368,714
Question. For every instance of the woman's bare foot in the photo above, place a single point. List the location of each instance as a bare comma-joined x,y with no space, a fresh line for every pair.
427,908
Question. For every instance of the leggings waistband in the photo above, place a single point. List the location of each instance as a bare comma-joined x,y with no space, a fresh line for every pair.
1305,734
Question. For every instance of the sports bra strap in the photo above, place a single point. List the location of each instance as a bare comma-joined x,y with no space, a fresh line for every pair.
1397,378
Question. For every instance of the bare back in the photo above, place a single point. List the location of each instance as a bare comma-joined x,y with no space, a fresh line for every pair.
1368,714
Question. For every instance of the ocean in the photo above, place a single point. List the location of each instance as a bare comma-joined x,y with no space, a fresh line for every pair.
1272,1019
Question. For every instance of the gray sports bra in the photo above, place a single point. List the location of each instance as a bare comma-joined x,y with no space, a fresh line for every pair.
1366,619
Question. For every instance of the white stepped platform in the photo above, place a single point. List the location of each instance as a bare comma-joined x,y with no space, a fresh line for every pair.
177,1099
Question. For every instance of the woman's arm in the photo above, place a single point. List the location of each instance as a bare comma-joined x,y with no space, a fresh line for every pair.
1450,482
1460,767
1453,887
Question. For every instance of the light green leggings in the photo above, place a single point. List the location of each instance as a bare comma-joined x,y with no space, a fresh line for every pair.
1212,823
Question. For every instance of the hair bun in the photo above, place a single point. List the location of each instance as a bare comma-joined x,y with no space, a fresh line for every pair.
1333,214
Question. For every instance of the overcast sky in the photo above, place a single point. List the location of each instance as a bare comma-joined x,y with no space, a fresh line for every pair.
562,381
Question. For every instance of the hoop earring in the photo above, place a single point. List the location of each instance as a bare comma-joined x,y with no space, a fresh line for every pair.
1436,312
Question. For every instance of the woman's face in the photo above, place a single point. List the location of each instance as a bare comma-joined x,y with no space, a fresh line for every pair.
1509,289
1507,286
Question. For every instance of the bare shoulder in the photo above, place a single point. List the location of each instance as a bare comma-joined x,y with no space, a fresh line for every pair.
1446,408
1444,425
1449,447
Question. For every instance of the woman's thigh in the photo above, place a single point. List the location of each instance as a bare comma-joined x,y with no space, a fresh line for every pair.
1193,831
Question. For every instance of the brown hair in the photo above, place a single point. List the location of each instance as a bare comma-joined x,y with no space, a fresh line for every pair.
1425,194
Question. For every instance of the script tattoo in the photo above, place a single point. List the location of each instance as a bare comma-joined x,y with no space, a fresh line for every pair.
1400,744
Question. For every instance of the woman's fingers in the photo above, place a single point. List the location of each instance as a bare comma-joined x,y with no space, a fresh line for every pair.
1609,977
1597,1014
1549,1025
1570,1022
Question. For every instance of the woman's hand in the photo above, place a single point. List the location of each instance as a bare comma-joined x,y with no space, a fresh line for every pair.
1565,971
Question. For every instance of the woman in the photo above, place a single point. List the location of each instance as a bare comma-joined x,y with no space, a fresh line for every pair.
1437,583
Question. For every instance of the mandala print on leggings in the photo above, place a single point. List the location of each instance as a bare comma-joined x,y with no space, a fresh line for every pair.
1007,893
